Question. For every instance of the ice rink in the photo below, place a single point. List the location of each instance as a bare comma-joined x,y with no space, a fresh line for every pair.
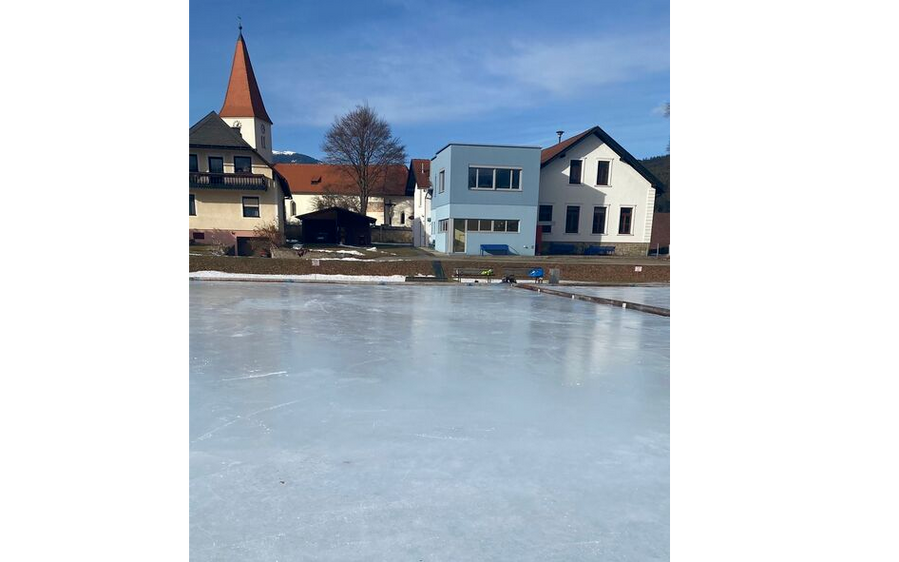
338,422
652,295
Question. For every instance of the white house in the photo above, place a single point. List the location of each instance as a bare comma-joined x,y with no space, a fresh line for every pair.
419,182
594,193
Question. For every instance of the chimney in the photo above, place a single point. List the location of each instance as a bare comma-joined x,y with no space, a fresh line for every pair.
560,135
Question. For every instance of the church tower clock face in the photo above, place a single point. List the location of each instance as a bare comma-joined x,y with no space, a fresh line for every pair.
236,124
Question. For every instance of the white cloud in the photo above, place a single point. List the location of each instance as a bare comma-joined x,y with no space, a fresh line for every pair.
576,68
441,80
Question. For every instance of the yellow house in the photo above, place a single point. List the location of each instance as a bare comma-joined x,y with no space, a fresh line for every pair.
234,187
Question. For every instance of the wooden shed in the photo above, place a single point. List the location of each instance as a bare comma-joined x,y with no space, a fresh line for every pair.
336,226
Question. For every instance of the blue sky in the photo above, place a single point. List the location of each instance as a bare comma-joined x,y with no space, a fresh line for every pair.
439,72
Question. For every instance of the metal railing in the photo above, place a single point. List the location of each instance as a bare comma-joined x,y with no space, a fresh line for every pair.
229,181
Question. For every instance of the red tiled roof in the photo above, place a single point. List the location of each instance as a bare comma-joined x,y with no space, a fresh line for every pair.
307,179
421,168
547,153
243,98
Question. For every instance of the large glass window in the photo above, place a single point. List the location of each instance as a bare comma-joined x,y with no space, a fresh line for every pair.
243,165
216,166
572,218
494,178
194,165
491,225
503,179
251,207
574,173
485,178
193,205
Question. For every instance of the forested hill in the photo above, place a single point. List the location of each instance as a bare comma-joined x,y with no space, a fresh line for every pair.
659,166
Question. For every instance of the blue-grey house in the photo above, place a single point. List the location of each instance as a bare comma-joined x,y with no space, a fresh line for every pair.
485,198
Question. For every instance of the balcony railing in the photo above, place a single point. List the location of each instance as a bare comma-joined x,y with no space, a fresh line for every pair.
229,181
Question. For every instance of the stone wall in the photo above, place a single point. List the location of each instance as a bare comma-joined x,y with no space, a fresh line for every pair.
628,249
391,234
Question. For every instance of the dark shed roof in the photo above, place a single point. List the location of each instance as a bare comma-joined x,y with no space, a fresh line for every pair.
333,213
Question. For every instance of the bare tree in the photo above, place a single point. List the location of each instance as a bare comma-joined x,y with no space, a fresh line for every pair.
363,145
270,234
330,199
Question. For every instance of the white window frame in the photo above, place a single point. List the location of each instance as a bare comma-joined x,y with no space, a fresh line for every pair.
244,206
550,223
596,175
492,226
579,217
494,168
633,209
605,227
443,225
581,179
441,181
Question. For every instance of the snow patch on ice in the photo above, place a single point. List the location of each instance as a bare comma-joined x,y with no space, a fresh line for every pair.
350,252
276,373
305,277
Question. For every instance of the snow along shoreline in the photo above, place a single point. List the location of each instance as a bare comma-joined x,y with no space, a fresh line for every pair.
308,277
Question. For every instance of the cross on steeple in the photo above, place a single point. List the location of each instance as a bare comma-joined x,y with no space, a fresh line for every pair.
239,26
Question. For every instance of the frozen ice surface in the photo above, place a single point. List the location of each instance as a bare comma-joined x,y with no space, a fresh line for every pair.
337,422
651,295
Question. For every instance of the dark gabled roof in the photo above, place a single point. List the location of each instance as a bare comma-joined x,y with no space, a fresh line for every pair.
548,154
212,132
335,212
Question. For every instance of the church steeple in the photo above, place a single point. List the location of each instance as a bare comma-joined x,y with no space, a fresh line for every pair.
243,98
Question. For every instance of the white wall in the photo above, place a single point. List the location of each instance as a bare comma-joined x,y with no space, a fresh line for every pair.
627,188
421,227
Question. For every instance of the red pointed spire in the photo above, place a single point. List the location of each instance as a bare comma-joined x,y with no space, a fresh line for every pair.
243,98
